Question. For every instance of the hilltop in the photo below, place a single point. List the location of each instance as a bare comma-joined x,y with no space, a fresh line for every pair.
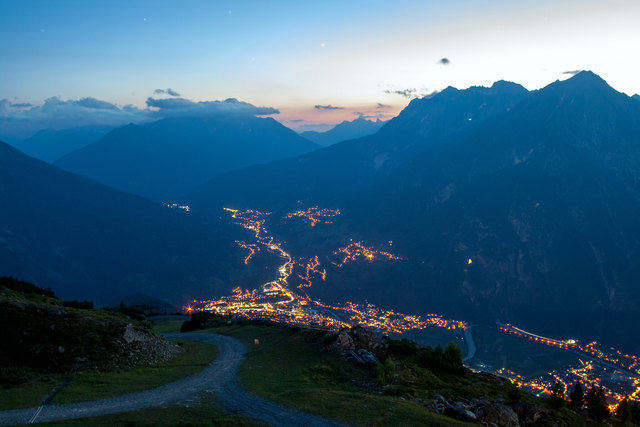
46,334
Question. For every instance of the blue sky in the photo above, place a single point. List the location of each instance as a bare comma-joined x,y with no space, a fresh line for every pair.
294,55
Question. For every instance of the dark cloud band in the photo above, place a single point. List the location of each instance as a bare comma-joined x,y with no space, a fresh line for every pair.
327,107
174,106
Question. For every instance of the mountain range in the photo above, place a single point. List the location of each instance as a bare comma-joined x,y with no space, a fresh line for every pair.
503,203
89,241
50,144
343,131
165,159
337,172
507,204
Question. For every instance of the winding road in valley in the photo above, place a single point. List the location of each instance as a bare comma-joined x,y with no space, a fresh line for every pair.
219,377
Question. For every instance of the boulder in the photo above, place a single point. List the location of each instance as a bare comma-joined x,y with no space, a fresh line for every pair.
459,414
345,342
439,399
530,413
496,413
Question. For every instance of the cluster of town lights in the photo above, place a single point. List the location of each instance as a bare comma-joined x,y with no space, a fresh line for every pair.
616,372
315,215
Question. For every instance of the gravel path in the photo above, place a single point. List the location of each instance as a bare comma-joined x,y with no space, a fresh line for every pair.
218,377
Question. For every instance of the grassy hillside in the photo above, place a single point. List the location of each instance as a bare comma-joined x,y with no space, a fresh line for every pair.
57,353
310,371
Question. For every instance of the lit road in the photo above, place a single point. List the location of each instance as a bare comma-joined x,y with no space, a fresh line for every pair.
218,377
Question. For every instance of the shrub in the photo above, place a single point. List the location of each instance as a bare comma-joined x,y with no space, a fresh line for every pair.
133,312
596,403
203,320
514,393
448,360
577,396
329,338
402,347
624,411
557,395
11,376
25,287
86,305
386,371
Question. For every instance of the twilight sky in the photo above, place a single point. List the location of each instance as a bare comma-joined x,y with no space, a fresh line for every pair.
365,57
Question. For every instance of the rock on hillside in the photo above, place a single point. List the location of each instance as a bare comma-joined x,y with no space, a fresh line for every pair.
38,332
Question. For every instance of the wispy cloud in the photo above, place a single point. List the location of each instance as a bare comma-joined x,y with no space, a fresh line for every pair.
327,107
407,93
572,72
167,91
20,120
95,104
382,106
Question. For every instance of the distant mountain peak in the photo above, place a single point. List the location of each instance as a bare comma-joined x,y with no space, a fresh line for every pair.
345,130
585,86
504,86
360,119
449,90
500,86
585,80
587,74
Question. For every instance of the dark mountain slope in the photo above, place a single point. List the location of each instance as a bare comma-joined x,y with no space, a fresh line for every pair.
335,173
49,144
344,131
164,159
86,240
543,200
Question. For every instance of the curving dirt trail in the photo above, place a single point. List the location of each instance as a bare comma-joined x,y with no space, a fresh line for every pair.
218,377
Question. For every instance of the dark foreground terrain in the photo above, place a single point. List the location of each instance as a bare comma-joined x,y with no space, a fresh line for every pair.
286,376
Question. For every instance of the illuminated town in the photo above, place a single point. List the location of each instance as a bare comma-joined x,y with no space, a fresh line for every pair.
357,250
315,215
276,301
185,208
616,372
